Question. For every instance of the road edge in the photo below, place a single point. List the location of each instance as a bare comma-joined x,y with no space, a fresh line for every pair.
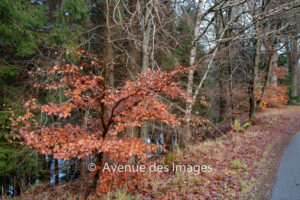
262,185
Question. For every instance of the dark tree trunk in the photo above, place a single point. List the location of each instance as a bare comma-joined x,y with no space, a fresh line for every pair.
44,168
49,166
56,171
99,163
17,186
223,94
82,163
231,93
293,65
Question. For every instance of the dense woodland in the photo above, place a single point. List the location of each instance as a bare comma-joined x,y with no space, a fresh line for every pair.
88,81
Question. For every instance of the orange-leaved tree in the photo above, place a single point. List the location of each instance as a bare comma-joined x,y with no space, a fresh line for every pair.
276,95
99,131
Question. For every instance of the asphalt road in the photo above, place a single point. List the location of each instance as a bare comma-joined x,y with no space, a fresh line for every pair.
287,186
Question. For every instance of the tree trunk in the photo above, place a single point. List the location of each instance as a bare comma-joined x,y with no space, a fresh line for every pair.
298,80
56,170
99,162
49,166
274,63
254,82
192,58
45,175
109,48
146,36
17,186
271,61
223,94
224,20
108,81
145,60
134,55
231,89
82,163
294,67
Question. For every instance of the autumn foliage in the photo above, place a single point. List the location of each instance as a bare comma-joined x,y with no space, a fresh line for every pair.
93,118
276,95
90,118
